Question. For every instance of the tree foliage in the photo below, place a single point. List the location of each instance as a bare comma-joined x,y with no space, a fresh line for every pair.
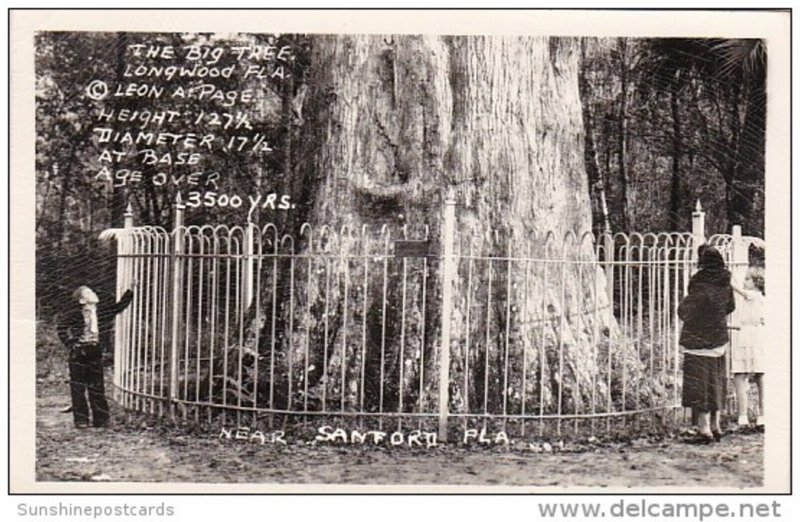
695,130
73,205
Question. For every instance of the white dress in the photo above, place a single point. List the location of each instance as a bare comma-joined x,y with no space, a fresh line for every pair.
747,348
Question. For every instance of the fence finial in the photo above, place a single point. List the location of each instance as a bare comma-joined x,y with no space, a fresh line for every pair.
128,216
698,228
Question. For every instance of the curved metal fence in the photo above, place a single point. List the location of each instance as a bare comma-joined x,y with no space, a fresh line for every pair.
487,329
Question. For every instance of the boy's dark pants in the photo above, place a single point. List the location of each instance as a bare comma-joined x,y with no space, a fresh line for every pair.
86,376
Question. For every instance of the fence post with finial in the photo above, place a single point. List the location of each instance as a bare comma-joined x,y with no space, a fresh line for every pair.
449,272
123,283
739,255
698,229
128,216
178,235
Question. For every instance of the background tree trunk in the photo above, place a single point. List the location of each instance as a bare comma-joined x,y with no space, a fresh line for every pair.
677,152
622,122
119,195
747,183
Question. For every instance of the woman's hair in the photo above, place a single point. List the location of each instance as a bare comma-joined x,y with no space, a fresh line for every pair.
755,275
709,257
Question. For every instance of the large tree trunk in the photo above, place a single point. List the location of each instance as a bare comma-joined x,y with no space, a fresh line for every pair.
390,123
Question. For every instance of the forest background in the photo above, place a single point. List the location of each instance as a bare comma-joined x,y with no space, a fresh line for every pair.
666,122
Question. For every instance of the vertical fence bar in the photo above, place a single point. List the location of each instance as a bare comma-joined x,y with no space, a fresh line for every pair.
543,318
164,305
247,291
136,327
422,334
156,276
188,302
291,347
147,356
681,258
344,265
609,259
326,320
487,339
449,269
386,241
403,300
274,315
238,318
627,322
561,322
127,331
215,268
122,281
201,281
595,279
177,278
579,304
470,270
164,284
507,342
307,312
365,243
256,287
526,316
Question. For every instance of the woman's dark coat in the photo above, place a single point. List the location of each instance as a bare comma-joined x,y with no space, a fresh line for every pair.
706,306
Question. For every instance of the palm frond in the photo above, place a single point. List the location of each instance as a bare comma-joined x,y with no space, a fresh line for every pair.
740,58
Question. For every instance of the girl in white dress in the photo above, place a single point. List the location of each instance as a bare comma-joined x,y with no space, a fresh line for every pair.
747,353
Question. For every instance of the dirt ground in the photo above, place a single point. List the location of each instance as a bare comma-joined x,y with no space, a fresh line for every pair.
137,452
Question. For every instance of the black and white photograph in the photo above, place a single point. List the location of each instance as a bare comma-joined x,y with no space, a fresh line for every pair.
526,259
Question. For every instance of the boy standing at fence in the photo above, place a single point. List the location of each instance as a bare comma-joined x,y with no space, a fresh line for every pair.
80,330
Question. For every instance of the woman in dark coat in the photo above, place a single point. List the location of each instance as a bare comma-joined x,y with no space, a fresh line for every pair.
704,338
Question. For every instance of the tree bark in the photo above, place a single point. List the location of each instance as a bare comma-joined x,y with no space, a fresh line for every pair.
391,122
